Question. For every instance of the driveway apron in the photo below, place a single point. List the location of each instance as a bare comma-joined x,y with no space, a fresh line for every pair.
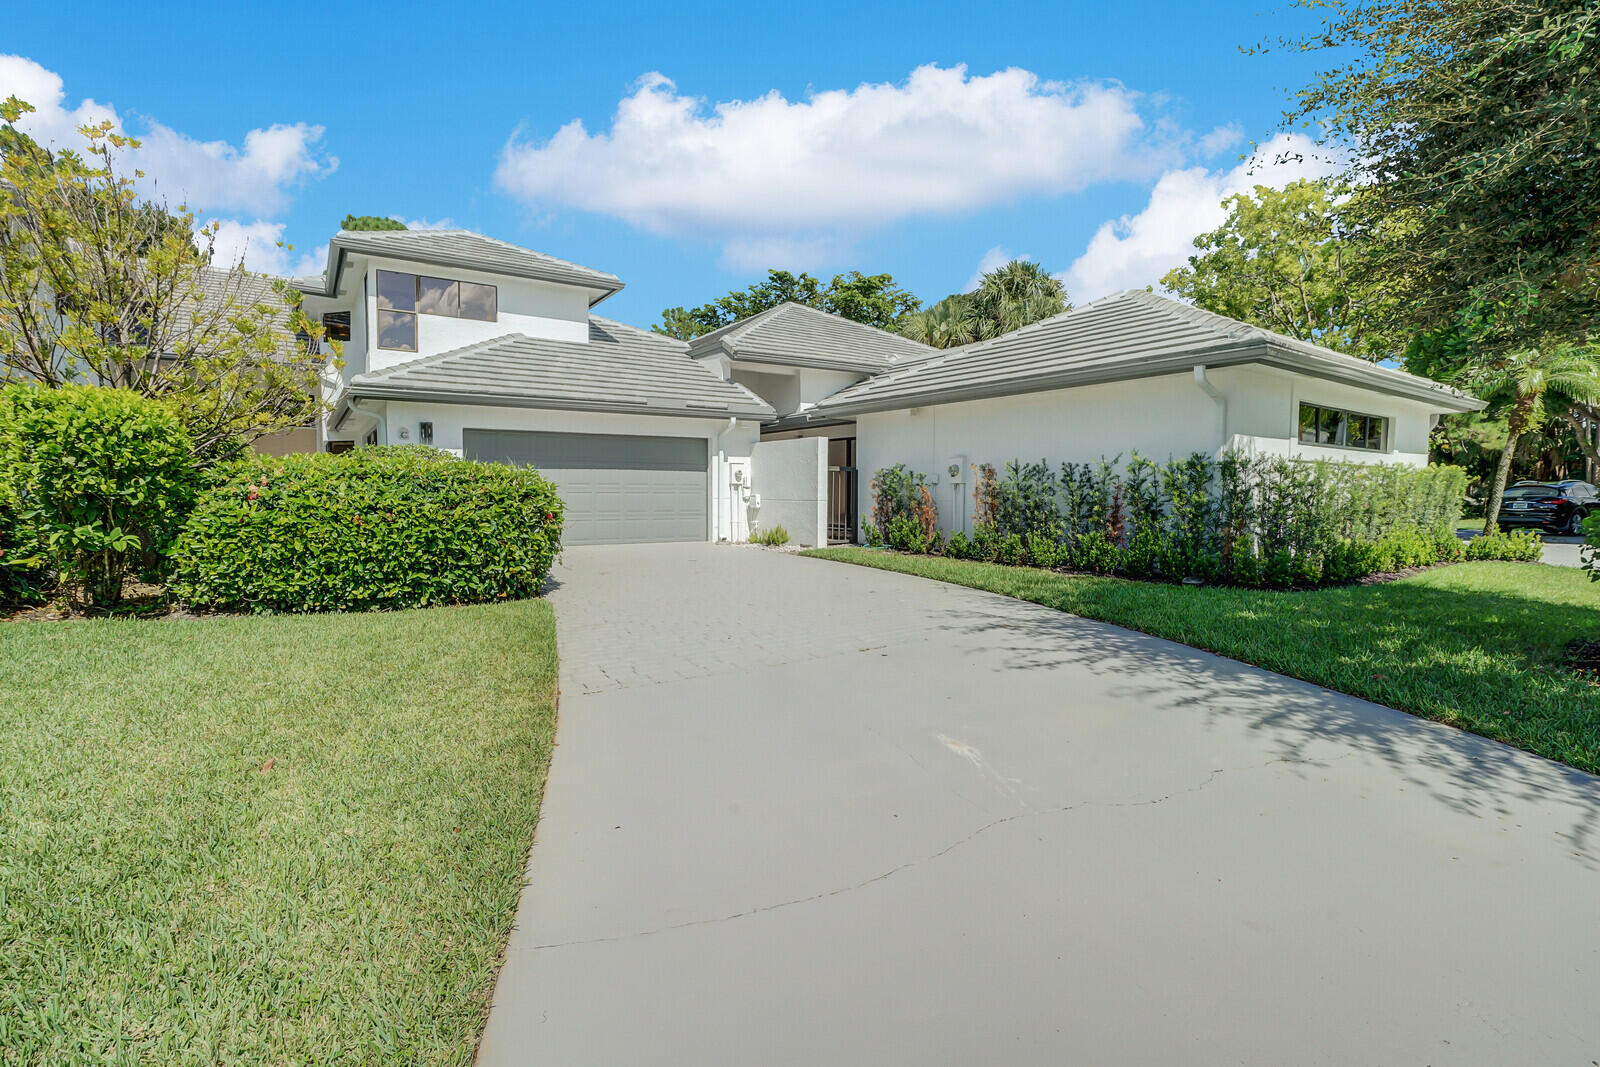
803,812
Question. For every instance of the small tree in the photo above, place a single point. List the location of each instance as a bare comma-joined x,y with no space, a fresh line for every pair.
99,287
1525,384
105,474
371,222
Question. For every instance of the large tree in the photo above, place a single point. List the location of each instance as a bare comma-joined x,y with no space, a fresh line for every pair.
1282,261
874,299
1007,298
101,287
1474,127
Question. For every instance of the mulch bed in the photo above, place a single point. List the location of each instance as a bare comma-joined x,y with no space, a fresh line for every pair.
1583,659
139,601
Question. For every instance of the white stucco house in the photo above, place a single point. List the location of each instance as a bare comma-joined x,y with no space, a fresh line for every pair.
494,352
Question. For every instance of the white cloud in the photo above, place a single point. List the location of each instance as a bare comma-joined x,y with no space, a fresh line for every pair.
1221,139
779,252
993,259
1136,250
207,175
446,223
259,245
836,162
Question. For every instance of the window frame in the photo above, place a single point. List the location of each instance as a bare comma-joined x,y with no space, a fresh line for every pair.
1341,434
416,310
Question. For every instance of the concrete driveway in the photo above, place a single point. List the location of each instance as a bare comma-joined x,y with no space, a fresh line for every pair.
803,812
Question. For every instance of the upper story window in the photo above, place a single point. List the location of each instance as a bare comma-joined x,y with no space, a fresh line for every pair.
402,297
1343,429
336,325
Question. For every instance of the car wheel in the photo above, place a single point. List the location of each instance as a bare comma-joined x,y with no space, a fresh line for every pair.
1574,526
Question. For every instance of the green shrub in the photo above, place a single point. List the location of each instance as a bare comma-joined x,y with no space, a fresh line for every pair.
1591,545
1043,550
960,547
392,527
106,476
906,534
1096,553
1518,546
774,536
24,577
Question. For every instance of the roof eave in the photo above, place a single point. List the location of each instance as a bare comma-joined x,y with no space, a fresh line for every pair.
601,283
1253,351
391,391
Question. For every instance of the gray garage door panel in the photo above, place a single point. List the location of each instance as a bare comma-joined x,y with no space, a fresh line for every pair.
618,489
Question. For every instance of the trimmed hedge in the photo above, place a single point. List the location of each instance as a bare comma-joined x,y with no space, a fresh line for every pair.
1517,546
1241,520
381,527
24,576
105,477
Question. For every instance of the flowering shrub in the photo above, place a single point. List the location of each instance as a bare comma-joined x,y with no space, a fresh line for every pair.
392,527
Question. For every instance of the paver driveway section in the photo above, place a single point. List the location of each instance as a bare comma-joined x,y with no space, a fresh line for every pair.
803,813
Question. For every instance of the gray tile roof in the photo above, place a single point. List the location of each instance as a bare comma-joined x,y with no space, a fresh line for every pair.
1129,335
797,335
620,368
473,251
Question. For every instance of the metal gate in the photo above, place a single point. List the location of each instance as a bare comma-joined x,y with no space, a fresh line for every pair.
841,504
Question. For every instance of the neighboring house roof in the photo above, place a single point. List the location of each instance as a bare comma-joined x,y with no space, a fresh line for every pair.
460,248
799,336
620,368
1135,334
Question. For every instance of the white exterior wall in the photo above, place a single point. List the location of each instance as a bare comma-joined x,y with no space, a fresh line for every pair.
729,449
791,479
1160,418
1264,414
778,388
538,309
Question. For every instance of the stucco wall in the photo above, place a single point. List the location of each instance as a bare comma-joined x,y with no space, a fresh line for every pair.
780,390
791,478
728,449
1159,418
538,309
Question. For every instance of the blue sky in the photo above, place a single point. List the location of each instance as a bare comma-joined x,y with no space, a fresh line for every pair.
923,140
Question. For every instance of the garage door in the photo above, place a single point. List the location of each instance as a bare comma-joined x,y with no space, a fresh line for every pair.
618,489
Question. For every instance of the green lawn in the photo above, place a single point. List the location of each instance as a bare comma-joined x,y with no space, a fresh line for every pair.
164,900
1478,645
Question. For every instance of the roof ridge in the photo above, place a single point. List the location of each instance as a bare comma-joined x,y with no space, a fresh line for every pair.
750,322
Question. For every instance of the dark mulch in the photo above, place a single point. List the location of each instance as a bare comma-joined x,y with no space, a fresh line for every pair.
1583,659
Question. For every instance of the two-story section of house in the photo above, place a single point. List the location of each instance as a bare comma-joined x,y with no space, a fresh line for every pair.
493,352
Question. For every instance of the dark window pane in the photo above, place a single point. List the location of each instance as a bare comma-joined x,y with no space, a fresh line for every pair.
336,325
438,296
397,330
397,292
478,302
1378,434
1330,427
1308,424
1355,427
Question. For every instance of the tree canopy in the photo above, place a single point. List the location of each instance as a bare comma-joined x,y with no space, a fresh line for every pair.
874,299
1007,298
99,287
370,222
1474,130
1282,261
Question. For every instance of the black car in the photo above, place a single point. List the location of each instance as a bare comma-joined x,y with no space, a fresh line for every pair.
1558,507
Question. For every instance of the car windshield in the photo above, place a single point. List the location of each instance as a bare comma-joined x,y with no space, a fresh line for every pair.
1526,491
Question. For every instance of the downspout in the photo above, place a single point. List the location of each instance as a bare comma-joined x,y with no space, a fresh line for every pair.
382,421
1218,397
720,475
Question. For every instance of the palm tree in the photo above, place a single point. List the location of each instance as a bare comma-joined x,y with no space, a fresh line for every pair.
947,324
1008,298
1017,294
1522,384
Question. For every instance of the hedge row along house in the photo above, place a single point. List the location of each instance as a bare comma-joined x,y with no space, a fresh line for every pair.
494,352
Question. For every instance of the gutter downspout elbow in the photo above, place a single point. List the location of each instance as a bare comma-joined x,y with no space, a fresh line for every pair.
1218,397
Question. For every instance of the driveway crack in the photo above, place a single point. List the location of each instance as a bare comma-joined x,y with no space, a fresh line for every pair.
968,838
